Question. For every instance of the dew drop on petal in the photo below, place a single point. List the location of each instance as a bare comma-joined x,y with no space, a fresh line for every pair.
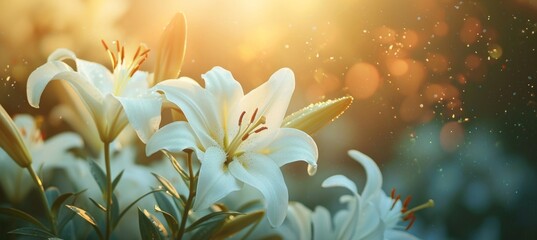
312,169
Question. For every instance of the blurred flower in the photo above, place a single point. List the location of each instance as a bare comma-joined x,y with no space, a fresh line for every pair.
113,99
369,215
16,181
234,149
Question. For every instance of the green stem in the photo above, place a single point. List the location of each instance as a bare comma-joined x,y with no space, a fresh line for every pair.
191,194
44,200
109,190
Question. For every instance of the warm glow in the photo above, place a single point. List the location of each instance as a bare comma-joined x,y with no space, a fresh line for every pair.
362,80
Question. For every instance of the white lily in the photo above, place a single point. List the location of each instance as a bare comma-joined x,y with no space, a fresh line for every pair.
369,215
15,180
237,137
113,98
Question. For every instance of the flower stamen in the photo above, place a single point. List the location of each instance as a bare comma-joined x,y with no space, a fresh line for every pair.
408,215
124,69
242,135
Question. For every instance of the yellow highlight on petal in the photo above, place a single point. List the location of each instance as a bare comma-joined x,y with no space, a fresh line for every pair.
315,116
171,51
11,140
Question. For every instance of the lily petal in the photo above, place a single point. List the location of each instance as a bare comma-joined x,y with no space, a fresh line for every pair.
392,234
340,181
198,107
137,86
264,175
226,90
291,145
40,77
374,176
299,222
174,137
98,74
322,226
143,114
271,98
215,182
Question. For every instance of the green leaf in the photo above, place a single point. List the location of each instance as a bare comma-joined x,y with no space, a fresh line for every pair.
132,204
173,225
98,175
167,185
58,203
116,180
23,216
52,193
33,232
150,226
208,230
209,218
115,208
65,216
164,203
87,217
99,206
238,223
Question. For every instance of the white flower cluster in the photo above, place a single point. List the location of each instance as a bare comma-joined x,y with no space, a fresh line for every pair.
226,142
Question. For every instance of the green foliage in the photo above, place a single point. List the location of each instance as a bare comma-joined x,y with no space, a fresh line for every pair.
87,217
150,226
33,232
238,223
167,185
22,216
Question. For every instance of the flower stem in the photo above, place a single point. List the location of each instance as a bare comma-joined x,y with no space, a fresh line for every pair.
44,200
109,190
191,194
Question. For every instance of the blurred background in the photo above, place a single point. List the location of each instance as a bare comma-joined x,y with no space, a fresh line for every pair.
445,91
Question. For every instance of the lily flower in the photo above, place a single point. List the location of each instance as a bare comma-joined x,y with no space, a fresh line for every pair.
45,155
237,138
370,214
112,98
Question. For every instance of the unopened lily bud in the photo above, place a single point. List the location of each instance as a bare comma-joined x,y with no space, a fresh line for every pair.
315,116
171,51
11,140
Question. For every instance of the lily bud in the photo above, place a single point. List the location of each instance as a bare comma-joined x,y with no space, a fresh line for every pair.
11,140
315,116
171,51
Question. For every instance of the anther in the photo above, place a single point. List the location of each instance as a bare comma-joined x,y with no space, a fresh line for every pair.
104,45
393,193
136,54
260,129
411,223
245,136
405,203
117,45
253,115
395,201
241,117
122,53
